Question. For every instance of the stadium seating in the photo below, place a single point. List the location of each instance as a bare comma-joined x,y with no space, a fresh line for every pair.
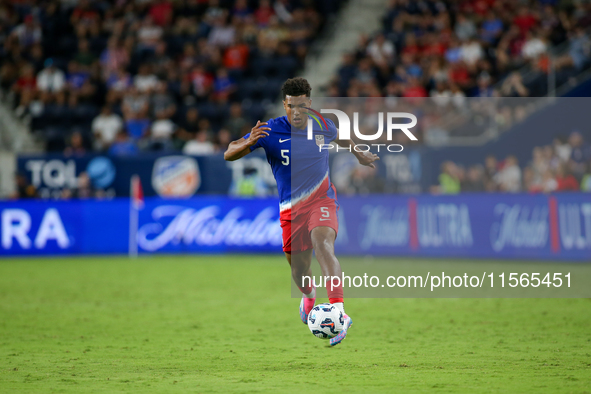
430,38
123,37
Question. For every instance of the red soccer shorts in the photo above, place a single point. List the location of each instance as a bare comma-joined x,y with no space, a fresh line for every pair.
298,222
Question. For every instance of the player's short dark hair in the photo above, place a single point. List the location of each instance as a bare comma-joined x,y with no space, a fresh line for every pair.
296,87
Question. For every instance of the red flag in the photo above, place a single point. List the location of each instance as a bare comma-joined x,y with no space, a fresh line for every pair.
137,193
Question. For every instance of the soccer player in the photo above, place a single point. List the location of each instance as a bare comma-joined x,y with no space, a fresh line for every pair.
308,205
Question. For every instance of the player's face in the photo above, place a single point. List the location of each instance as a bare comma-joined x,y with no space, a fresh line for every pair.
295,109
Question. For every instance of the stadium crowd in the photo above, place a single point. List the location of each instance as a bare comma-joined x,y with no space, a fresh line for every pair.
467,48
563,166
125,76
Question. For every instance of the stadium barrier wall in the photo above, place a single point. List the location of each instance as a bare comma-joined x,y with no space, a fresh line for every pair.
186,176
498,226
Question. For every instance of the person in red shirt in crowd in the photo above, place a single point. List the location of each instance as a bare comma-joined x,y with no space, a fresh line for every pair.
458,74
161,13
414,89
525,20
201,80
433,46
26,81
481,7
566,180
410,46
236,56
84,14
264,13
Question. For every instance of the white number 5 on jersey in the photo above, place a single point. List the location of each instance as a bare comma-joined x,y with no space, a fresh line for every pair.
284,153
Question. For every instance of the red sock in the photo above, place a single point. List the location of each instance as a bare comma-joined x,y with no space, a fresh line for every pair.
305,290
335,291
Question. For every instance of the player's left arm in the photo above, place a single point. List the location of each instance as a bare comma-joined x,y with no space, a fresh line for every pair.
364,158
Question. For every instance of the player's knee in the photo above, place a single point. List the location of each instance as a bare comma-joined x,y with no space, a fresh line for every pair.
323,246
298,271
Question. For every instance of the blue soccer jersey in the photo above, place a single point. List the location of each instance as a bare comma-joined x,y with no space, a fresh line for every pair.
299,166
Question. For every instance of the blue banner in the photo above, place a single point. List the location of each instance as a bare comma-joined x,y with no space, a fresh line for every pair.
185,176
496,226
166,176
507,226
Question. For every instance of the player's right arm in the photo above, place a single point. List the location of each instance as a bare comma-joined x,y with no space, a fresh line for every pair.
242,147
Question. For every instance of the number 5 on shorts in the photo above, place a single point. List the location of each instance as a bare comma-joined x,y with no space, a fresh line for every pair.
325,213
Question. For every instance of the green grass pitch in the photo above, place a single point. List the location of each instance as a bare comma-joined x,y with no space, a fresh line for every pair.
219,324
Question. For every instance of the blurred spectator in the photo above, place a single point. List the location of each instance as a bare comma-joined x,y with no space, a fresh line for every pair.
524,19
539,164
162,131
236,56
565,180
118,83
513,86
78,81
114,58
471,51
465,28
382,51
492,28
145,81
475,180
50,79
222,34
200,145
162,101
449,182
236,124
250,184
105,128
138,128
160,62
29,32
223,86
490,173
586,182
580,48
533,47
549,183
223,139
149,34
364,180
202,81
83,190
530,183
135,104
26,80
263,13
23,188
75,145
509,177
123,146
562,148
85,58
580,154
190,125
483,88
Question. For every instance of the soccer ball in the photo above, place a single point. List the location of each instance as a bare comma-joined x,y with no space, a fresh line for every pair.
325,321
